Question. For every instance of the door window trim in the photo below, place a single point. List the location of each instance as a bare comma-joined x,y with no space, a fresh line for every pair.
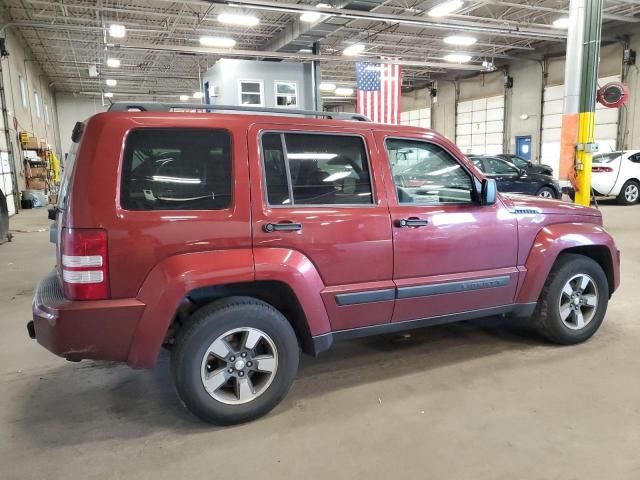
281,133
475,182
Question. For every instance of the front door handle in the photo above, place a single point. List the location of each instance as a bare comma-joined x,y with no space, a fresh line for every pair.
282,227
412,222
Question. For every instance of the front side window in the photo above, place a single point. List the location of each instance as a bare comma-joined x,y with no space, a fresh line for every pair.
495,166
286,94
426,174
176,169
251,93
315,169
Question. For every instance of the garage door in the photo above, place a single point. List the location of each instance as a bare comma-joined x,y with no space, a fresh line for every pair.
416,118
605,132
480,125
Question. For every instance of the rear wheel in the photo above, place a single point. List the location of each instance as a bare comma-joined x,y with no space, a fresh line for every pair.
629,194
573,301
546,192
235,360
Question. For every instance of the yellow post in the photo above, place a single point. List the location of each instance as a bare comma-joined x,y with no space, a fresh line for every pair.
583,158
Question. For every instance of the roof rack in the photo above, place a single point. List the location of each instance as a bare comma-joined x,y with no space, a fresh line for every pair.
167,107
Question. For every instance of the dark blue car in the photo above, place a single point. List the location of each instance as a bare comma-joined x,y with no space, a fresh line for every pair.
511,179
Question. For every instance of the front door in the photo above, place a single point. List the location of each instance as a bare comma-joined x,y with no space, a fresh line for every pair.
451,254
523,147
320,193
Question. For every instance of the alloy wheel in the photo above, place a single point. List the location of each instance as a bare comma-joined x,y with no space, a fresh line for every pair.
631,193
545,194
578,301
239,366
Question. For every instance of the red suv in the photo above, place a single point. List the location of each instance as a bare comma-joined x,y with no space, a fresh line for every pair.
237,238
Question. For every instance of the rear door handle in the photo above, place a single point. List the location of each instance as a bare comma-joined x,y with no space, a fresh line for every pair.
412,222
282,227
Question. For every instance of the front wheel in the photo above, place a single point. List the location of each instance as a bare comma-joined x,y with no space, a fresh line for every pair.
573,301
235,360
629,194
546,192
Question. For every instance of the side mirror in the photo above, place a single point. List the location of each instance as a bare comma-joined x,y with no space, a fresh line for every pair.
521,172
51,213
488,192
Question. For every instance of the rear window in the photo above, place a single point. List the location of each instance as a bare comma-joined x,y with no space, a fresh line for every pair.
176,169
69,161
605,157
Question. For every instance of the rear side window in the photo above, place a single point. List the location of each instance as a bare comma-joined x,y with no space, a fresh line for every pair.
316,169
176,169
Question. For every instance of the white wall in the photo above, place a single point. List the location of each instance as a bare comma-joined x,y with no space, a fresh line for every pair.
71,109
20,64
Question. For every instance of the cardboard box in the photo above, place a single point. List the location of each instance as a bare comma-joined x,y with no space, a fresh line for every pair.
38,172
36,184
31,144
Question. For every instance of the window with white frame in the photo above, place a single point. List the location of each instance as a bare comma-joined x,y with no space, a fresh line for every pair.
286,94
251,92
23,91
46,114
36,98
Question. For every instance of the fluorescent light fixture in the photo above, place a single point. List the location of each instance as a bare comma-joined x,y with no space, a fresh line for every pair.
221,42
111,82
310,17
562,22
445,8
108,95
353,50
113,62
184,98
198,95
327,87
524,116
305,50
117,31
344,91
457,58
311,156
238,19
462,40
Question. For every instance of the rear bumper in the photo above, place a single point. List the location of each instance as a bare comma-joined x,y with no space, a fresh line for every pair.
100,329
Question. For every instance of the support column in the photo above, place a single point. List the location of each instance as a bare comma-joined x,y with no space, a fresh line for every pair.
572,83
586,138
315,79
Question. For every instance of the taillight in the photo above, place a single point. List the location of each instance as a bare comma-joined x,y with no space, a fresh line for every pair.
84,263
601,169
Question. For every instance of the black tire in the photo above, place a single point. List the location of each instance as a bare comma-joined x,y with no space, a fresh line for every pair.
623,197
547,318
208,324
547,192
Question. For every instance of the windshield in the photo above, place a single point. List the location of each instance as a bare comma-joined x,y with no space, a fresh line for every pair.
606,157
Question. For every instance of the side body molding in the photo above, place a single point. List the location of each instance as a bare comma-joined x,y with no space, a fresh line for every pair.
552,240
168,283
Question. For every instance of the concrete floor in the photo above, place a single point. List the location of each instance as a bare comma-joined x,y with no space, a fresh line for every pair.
478,400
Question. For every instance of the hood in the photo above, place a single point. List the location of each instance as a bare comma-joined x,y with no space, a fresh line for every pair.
521,203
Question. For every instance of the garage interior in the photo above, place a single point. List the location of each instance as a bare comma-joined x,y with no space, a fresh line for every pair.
482,399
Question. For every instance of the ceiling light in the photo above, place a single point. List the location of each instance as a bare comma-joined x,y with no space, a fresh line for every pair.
108,95
117,31
310,17
305,50
111,82
238,19
222,42
184,98
445,8
113,62
353,50
457,58
460,40
344,91
327,87
524,116
198,95
562,22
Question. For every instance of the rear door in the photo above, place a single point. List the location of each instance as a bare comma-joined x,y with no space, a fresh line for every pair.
318,191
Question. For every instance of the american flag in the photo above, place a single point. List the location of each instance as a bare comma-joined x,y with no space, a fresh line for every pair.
379,91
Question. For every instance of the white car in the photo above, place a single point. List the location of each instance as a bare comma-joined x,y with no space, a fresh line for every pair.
617,174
